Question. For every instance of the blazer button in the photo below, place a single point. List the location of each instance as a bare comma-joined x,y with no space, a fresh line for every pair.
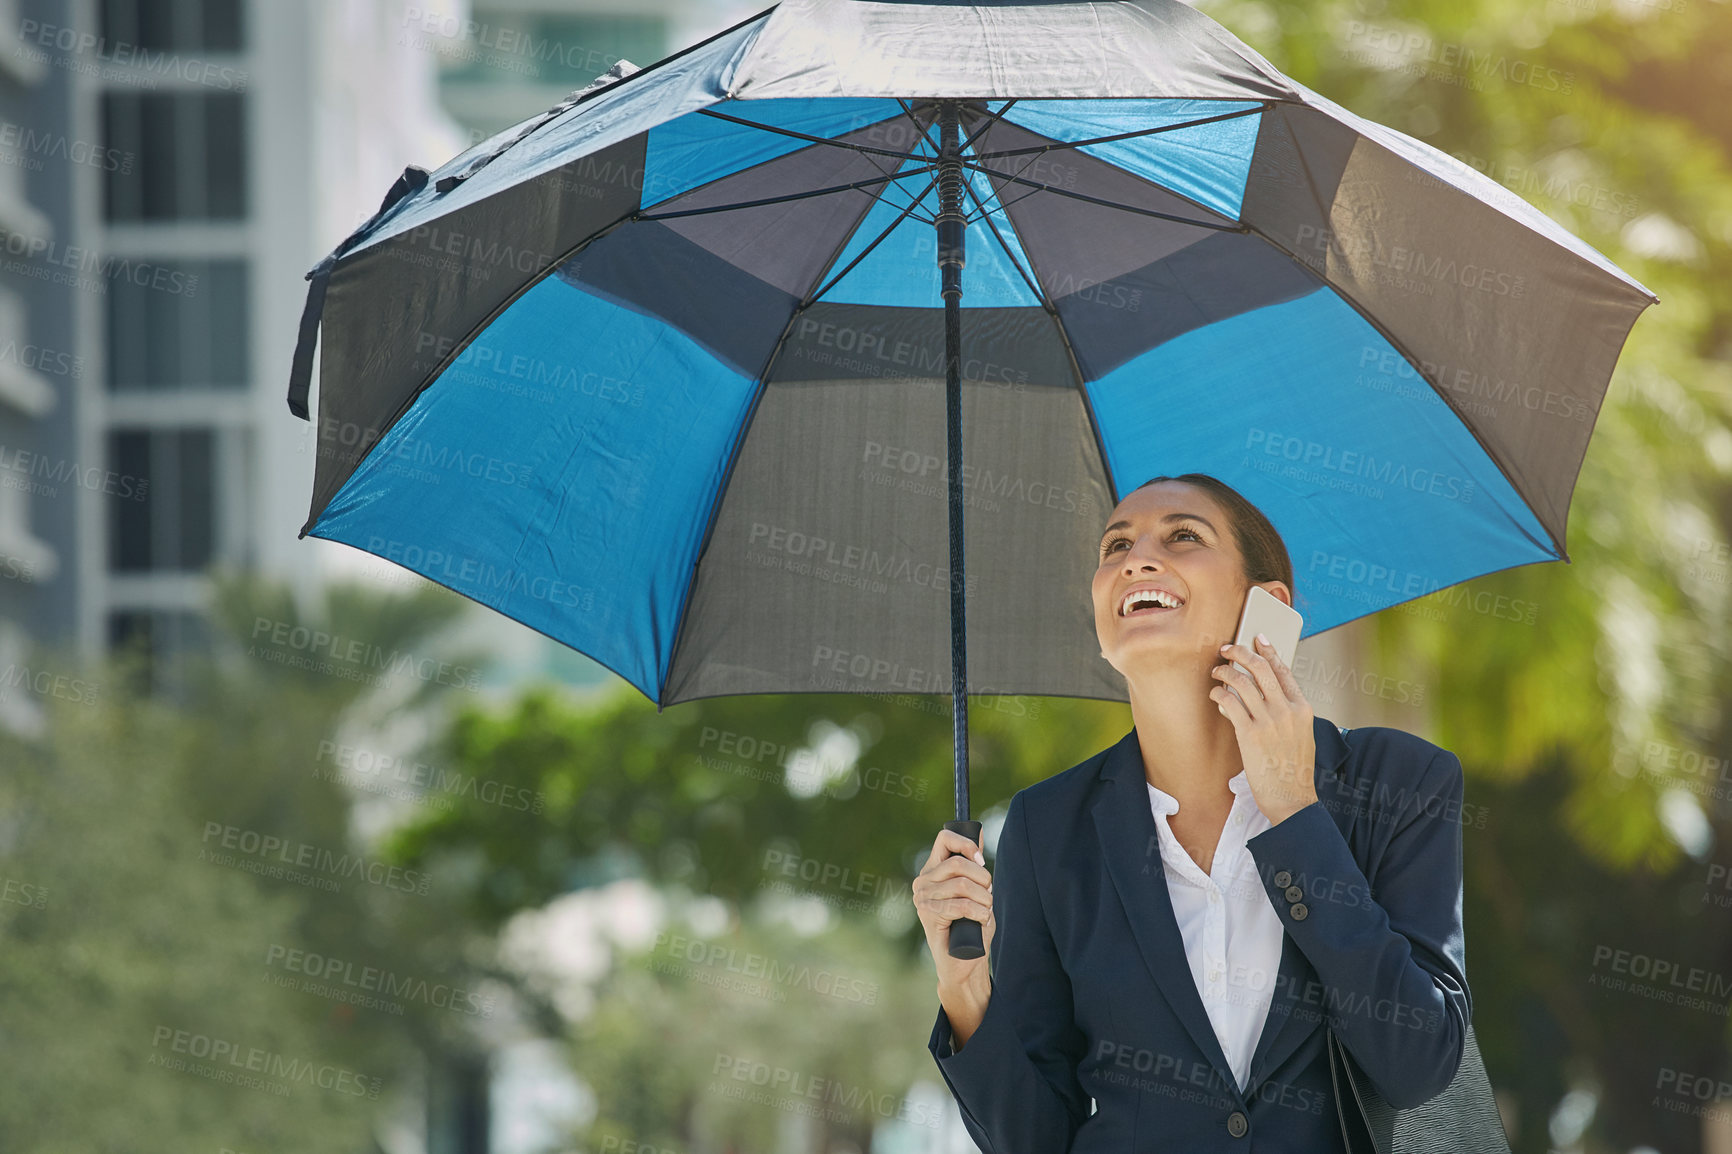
1236,1124
1293,893
1283,879
1299,912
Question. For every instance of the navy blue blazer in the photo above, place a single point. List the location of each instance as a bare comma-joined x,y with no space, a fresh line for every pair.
1096,1041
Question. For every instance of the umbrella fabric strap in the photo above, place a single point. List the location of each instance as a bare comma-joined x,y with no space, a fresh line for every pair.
301,370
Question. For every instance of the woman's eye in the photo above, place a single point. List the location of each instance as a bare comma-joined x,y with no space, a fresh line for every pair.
1114,541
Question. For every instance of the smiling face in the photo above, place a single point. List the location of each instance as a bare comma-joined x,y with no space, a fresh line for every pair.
1169,549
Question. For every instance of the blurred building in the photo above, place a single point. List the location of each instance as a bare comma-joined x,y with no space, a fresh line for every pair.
169,169
40,365
251,156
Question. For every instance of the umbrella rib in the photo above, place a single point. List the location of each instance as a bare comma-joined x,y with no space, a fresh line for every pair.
919,131
968,186
1076,370
1412,359
1037,186
880,168
807,303
1039,150
1004,205
996,195
855,186
921,138
806,136
902,216
991,119
1261,108
891,174
873,161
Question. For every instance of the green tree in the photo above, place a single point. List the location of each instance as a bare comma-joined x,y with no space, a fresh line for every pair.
158,970
1613,118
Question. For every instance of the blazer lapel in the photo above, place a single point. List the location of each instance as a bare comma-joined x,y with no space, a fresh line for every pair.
1285,1026
1132,852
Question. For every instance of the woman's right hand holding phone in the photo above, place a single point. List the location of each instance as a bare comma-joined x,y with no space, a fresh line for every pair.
955,884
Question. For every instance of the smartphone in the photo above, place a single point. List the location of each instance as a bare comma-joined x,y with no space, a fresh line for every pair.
1267,614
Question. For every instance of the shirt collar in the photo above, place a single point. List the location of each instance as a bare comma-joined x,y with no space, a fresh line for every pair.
1163,801
1166,803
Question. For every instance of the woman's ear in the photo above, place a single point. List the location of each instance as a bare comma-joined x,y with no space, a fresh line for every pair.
1280,590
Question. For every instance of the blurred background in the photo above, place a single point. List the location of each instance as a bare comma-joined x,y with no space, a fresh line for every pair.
299,851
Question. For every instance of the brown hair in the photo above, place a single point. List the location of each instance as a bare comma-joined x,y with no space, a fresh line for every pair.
1261,549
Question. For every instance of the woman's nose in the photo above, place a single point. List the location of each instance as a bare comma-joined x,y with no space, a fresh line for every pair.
1143,554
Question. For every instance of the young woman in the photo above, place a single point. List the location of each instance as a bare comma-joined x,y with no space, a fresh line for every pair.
1175,921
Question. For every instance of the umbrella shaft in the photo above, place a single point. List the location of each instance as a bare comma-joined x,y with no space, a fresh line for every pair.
951,226
950,220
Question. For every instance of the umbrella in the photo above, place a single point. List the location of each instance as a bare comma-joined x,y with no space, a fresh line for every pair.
657,373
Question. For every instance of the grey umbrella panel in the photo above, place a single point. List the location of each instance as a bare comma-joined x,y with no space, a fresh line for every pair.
841,481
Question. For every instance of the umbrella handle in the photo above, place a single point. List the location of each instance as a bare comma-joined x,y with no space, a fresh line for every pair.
965,932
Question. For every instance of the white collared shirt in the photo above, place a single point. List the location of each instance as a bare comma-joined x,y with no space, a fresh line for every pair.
1231,931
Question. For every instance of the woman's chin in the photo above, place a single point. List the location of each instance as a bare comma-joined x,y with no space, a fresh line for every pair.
1156,647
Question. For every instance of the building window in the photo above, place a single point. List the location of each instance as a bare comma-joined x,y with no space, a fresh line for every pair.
172,527
189,159
179,324
174,25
